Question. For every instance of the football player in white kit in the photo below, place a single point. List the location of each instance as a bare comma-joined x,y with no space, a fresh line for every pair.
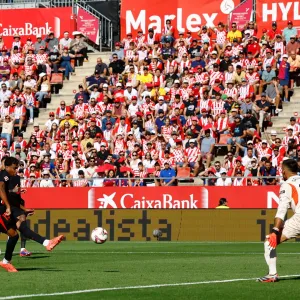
289,195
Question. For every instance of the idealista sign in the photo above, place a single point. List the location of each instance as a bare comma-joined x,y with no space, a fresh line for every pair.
137,225
185,15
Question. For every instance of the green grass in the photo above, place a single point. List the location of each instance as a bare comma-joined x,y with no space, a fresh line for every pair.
84,265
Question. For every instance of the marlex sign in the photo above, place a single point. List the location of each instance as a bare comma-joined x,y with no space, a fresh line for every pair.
182,197
185,16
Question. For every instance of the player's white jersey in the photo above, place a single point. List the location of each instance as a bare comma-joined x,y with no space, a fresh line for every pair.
289,195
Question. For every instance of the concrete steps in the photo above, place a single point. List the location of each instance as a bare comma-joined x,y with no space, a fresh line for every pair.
66,93
289,110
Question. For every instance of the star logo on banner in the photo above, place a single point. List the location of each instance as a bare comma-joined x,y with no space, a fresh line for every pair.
107,201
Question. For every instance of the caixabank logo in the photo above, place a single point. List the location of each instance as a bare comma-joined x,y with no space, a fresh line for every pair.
143,199
32,22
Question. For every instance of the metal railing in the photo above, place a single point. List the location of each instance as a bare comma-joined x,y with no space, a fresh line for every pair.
190,181
10,4
105,24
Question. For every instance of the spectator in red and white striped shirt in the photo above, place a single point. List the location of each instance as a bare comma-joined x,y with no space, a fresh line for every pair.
81,181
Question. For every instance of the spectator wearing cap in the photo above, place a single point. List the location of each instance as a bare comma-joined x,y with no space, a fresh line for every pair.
267,76
292,45
68,120
129,92
238,75
7,129
4,69
119,50
284,75
223,180
289,31
81,94
167,50
192,155
262,108
207,147
234,33
18,151
238,135
47,180
39,43
250,123
90,81
43,86
273,92
290,136
42,60
268,171
274,31
295,126
168,175
51,41
93,129
144,78
117,65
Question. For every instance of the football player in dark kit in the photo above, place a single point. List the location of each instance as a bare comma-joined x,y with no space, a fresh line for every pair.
15,208
7,224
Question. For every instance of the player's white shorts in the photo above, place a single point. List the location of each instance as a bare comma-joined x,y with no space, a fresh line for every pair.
291,227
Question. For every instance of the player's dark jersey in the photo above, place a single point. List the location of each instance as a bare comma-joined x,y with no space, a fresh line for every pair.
4,177
15,199
13,181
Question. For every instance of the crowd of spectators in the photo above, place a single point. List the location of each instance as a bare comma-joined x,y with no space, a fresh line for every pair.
166,103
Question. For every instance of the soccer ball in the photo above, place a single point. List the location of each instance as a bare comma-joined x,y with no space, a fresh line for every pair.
157,233
99,235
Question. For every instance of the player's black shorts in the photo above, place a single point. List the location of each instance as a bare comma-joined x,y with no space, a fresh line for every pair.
16,212
6,222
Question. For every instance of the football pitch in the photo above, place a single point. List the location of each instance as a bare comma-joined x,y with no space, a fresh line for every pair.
151,270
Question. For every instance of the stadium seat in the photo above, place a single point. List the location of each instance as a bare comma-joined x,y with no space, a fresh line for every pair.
183,172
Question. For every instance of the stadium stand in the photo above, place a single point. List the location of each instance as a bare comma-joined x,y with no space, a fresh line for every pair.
219,105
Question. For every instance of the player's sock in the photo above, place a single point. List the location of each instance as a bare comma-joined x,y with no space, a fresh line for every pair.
267,252
28,233
10,247
46,243
271,257
5,261
23,242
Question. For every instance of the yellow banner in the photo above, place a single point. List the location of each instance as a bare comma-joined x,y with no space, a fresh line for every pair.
138,225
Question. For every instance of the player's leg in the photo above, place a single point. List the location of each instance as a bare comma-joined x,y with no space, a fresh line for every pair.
10,247
291,229
28,233
23,251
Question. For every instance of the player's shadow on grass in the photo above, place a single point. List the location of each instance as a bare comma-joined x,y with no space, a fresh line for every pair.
112,271
39,269
289,278
38,256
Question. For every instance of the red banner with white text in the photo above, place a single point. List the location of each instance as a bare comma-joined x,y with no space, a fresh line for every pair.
242,14
182,197
268,11
32,21
185,15
88,25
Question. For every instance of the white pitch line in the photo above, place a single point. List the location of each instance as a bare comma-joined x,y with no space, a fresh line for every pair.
162,252
134,287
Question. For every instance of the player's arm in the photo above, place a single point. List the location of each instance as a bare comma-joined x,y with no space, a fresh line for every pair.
4,197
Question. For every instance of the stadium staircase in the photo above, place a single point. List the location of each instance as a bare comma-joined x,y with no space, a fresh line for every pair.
67,91
290,109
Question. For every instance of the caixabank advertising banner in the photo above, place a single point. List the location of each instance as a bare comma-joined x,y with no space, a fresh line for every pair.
231,225
181,197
